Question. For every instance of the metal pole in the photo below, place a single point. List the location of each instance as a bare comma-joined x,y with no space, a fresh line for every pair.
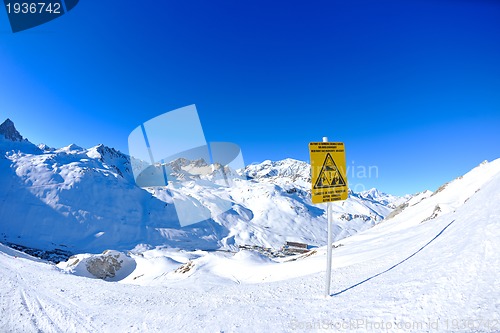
329,244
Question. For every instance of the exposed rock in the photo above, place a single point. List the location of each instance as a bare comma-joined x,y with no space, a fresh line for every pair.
396,211
434,214
9,131
185,268
107,265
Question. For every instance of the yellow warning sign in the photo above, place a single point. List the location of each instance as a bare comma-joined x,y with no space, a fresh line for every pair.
328,171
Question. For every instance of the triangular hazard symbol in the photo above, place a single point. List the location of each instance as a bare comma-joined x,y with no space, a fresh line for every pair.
329,175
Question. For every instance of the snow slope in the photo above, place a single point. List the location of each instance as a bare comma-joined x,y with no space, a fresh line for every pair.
409,273
84,200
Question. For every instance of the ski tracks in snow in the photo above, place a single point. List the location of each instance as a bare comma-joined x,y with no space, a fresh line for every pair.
46,310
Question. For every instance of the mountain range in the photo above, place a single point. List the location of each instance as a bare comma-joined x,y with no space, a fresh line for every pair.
74,200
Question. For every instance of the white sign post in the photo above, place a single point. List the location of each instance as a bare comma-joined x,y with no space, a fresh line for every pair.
329,245
328,184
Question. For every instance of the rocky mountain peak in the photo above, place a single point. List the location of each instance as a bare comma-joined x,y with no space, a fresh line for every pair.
9,131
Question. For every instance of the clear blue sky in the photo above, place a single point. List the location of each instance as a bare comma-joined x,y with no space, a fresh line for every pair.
412,87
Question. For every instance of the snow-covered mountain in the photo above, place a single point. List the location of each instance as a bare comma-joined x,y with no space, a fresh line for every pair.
389,200
294,175
85,200
427,206
287,171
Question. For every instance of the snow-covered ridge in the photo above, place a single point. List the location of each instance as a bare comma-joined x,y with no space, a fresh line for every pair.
427,206
389,200
287,168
